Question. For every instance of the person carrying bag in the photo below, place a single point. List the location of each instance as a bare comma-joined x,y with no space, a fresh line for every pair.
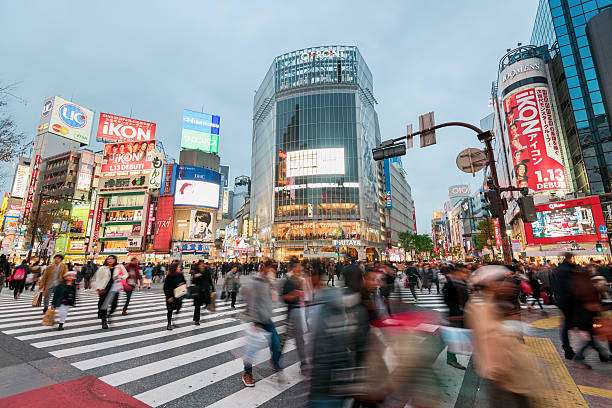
174,290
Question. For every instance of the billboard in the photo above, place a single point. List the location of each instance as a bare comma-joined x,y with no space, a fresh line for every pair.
536,155
314,162
163,223
20,182
66,119
197,187
564,221
459,190
122,129
200,225
224,169
157,164
388,194
127,157
31,189
200,131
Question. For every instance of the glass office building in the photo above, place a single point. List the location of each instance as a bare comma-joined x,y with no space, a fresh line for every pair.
315,185
561,25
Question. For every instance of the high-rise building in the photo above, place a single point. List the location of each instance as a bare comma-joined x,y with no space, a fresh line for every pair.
561,25
398,201
315,185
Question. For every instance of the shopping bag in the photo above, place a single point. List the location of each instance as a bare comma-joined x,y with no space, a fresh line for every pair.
37,299
29,278
526,288
459,341
212,305
49,318
255,340
180,292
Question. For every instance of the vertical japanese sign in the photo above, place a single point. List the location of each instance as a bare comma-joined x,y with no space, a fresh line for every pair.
31,189
96,230
168,179
498,237
163,223
156,171
388,197
150,219
534,140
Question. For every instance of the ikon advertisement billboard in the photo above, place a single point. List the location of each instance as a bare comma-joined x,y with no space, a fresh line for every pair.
66,119
121,129
536,154
128,157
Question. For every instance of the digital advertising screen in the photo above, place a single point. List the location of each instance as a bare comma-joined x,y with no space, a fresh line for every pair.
565,221
197,187
315,162
200,131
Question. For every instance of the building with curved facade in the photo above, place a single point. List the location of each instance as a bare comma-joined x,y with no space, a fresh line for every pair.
315,186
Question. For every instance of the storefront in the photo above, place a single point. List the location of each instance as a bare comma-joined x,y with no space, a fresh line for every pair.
576,226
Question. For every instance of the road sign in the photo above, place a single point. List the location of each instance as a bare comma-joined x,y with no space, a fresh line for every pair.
426,121
471,160
603,229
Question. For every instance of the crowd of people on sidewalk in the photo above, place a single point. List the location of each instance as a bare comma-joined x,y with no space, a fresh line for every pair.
344,323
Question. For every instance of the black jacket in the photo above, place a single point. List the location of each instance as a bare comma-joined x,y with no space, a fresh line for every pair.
203,285
561,283
171,283
64,295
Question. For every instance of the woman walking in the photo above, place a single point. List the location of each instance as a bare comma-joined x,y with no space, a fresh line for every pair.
64,297
174,279
19,277
201,279
107,283
231,285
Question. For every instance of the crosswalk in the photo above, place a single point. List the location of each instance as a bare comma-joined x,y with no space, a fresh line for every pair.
433,300
188,366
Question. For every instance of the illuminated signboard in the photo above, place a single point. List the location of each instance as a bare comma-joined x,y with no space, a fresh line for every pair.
20,184
314,162
200,131
28,205
66,119
121,129
565,221
128,157
163,224
197,187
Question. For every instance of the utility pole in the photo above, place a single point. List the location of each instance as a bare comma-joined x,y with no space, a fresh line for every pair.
391,148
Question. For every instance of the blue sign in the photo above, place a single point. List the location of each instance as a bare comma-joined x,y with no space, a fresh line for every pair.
195,247
603,229
388,197
72,115
198,173
200,131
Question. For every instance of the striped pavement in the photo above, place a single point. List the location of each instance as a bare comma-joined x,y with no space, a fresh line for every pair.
190,366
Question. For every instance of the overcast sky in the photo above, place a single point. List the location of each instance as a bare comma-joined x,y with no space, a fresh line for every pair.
157,57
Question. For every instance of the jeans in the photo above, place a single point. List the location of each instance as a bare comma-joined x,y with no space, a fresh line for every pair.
128,296
104,313
233,296
296,329
275,347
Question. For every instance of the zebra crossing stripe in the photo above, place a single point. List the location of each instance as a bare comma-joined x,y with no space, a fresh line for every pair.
159,347
263,391
147,370
187,385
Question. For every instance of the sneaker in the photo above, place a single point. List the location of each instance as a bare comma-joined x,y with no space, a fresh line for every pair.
197,322
104,325
247,379
604,358
124,313
60,327
169,327
569,352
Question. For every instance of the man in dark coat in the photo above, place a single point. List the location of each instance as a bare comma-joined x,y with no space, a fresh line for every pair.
561,283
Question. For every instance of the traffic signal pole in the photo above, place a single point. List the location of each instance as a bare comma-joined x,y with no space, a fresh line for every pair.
390,148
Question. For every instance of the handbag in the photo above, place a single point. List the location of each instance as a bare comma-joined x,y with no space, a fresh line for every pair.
180,292
212,306
37,299
49,318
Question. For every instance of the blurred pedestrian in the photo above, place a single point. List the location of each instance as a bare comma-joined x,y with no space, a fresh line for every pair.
202,284
107,283
52,276
231,285
293,295
561,281
133,279
174,279
64,297
18,278
455,296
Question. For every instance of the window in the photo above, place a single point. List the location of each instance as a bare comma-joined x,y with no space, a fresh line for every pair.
575,93
598,109
593,85
590,74
563,40
573,82
578,103
556,12
595,97
585,52
582,41
568,60
580,115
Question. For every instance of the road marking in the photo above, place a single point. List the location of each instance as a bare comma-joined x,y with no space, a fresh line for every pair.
599,392
547,323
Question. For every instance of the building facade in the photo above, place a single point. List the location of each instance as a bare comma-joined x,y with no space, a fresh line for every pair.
398,202
315,185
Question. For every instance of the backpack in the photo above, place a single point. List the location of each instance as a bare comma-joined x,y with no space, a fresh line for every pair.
19,274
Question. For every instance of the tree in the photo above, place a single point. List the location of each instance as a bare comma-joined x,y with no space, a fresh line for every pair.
13,143
486,234
45,222
416,243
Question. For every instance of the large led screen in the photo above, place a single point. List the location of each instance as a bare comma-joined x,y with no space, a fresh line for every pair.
200,131
315,162
563,222
197,187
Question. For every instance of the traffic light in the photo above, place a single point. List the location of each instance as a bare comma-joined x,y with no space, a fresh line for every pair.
598,247
527,207
496,206
387,150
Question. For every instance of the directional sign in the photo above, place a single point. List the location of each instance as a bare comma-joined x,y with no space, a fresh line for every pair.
603,229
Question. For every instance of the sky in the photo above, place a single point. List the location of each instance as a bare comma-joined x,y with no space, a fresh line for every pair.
155,58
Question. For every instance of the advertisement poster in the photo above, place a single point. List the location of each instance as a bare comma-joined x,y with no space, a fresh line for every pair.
534,141
157,163
200,225
498,237
200,131
163,223
315,162
66,119
21,181
127,157
28,204
122,129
